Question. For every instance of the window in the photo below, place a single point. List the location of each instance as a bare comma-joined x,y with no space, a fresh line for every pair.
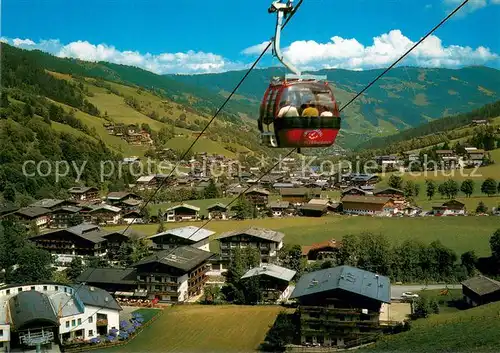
91,319
19,289
91,333
73,322
7,291
65,289
67,324
79,321
1,333
32,287
56,288
113,328
44,287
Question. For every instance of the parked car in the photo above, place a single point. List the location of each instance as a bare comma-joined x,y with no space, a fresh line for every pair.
409,295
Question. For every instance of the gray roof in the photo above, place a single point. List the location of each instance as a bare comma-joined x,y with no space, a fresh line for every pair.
190,232
257,190
47,203
482,285
33,212
346,278
388,191
31,306
183,205
279,204
86,231
184,258
81,189
109,275
97,297
271,270
217,205
69,209
263,233
118,195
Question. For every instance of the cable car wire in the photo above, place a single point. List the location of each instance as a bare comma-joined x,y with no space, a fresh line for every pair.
290,16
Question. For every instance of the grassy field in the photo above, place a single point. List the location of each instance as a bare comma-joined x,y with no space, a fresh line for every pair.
472,330
195,328
459,233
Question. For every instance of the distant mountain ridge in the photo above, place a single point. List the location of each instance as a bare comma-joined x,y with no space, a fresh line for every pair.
405,97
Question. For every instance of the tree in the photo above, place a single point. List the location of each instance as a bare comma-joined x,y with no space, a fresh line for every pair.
395,181
28,110
467,187
211,191
9,193
35,265
430,188
4,100
481,207
60,277
469,262
434,306
211,294
291,257
489,187
243,208
281,333
422,308
443,191
161,227
451,188
75,268
495,245
409,188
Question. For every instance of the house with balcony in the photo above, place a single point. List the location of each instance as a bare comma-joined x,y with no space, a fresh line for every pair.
104,214
340,307
39,316
194,236
66,216
267,241
39,216
173,275
84,194
257,196
356,191
475,157
79,241
397,196
325,250
218,211
274,281
299,195
447,158
182,212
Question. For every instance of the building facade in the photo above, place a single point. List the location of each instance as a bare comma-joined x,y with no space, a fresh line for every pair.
367,205
170,239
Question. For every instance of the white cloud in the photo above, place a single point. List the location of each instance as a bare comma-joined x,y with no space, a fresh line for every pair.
256,49
19,42
469,7
385,49
181,63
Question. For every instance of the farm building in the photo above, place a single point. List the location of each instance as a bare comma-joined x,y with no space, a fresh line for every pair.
217,211
313,210
84,193
299,195
450,208
172,238
340,306
116,198
267,241
392,193
274,281
480,290
105,214
321,251
38,316
367,205
357,191
182,212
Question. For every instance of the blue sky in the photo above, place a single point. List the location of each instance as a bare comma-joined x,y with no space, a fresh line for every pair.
210,36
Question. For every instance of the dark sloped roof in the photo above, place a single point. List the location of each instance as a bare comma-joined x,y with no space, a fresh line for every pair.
366,199
29,307
262,233
347,278
47,203
388,191
108,275
482,285
294,191
97,297
33,212
313,207
184,258
86,231
81,189
217,205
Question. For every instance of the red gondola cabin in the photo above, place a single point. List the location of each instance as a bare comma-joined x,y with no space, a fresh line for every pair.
303,112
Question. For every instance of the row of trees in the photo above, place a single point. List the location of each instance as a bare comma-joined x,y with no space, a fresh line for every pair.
451,188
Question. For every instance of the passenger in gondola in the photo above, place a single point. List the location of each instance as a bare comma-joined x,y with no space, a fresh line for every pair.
310,110
325,111
287,110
